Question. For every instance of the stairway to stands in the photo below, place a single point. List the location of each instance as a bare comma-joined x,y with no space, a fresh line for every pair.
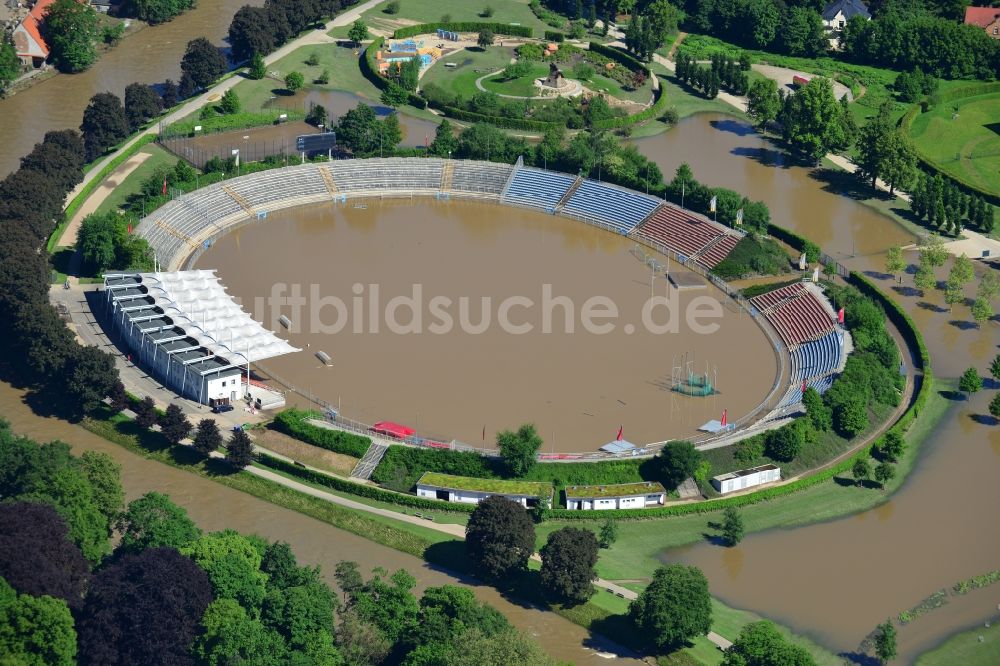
367,464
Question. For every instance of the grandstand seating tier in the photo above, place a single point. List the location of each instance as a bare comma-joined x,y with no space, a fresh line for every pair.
617,208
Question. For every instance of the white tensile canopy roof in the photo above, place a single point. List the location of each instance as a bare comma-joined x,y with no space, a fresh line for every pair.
198,303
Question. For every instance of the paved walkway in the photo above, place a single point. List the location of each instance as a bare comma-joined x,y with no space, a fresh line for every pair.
93,202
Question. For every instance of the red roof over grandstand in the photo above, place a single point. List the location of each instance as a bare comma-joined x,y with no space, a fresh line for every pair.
392,429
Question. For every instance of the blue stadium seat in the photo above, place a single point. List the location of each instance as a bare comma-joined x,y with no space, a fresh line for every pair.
538,189
619,209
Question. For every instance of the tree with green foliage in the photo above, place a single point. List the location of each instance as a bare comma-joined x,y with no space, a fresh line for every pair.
674,608
104,122
358,129
394,95
883,152
995,367
388,604
317,116
294,81
893,445
201,65
568,560
444,143
230,635
981,310
153,521
105,477
970,382
995,406
988,288
924,278
499,538
485,38
360,641
35,631
174,426
962,272
409,74
390,133
230,103
71,33
99,239
239,450
763,102
232,562
349,579
608,534
861,471
677,461
142,102
813,122
10,65
850,417
786,442
894,262
884,472
819,414
749,450
207,438
257,69
508,647
885,641
358,32
761,644
145,413
518,450
732,526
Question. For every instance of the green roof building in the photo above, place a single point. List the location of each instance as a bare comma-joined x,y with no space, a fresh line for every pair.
615,496
470,490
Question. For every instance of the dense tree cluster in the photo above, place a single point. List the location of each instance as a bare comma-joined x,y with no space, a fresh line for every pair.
723,71
171,594
906,40
155,11
260,30
940,202
650,24
518,449
885,152
690,193
795,27
813,123
202,64
365,134
105,241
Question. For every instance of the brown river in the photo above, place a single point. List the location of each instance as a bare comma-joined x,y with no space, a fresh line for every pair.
834,581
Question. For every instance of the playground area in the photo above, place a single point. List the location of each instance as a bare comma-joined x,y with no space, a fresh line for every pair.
578,387
962,138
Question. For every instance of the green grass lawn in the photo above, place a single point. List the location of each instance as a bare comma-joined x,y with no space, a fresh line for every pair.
966,145
966,649
636,553
523,86
131,183
471,64
432,11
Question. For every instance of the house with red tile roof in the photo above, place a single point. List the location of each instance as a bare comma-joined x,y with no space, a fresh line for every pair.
987,18
27,37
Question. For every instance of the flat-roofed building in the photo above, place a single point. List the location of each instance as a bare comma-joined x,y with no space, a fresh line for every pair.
742,479
469,490
615,496
185,330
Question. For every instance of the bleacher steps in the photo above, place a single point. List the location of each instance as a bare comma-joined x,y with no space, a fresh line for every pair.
331,184
447,173
510,178
176,234
569,193
715,241
241,200
368,463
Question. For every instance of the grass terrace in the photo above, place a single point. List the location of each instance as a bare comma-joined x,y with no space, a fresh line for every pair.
499,486
433,11
615,490
131,184
470,65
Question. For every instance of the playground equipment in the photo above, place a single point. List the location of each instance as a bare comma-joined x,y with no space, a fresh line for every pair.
447,35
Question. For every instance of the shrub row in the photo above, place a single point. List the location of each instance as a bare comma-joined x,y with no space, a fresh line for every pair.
445,461
619,56
498,121
795,241
466,26
896,314
371,492
293,423
554,36
657,109
230,121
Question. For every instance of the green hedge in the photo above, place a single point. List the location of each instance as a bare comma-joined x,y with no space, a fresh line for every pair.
293,423
794,240
361,490
416,461
498,121
468,26
92,185
657,109
619,56
554,36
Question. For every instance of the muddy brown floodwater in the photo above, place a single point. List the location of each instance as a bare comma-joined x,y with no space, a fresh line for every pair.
150,56
838,579
578,387
215,507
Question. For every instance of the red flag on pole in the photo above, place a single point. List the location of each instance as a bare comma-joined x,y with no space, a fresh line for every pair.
840,316
484,433
725,417
620,428
803,386
130,228
164,185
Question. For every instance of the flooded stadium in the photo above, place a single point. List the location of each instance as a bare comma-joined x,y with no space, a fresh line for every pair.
481,376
